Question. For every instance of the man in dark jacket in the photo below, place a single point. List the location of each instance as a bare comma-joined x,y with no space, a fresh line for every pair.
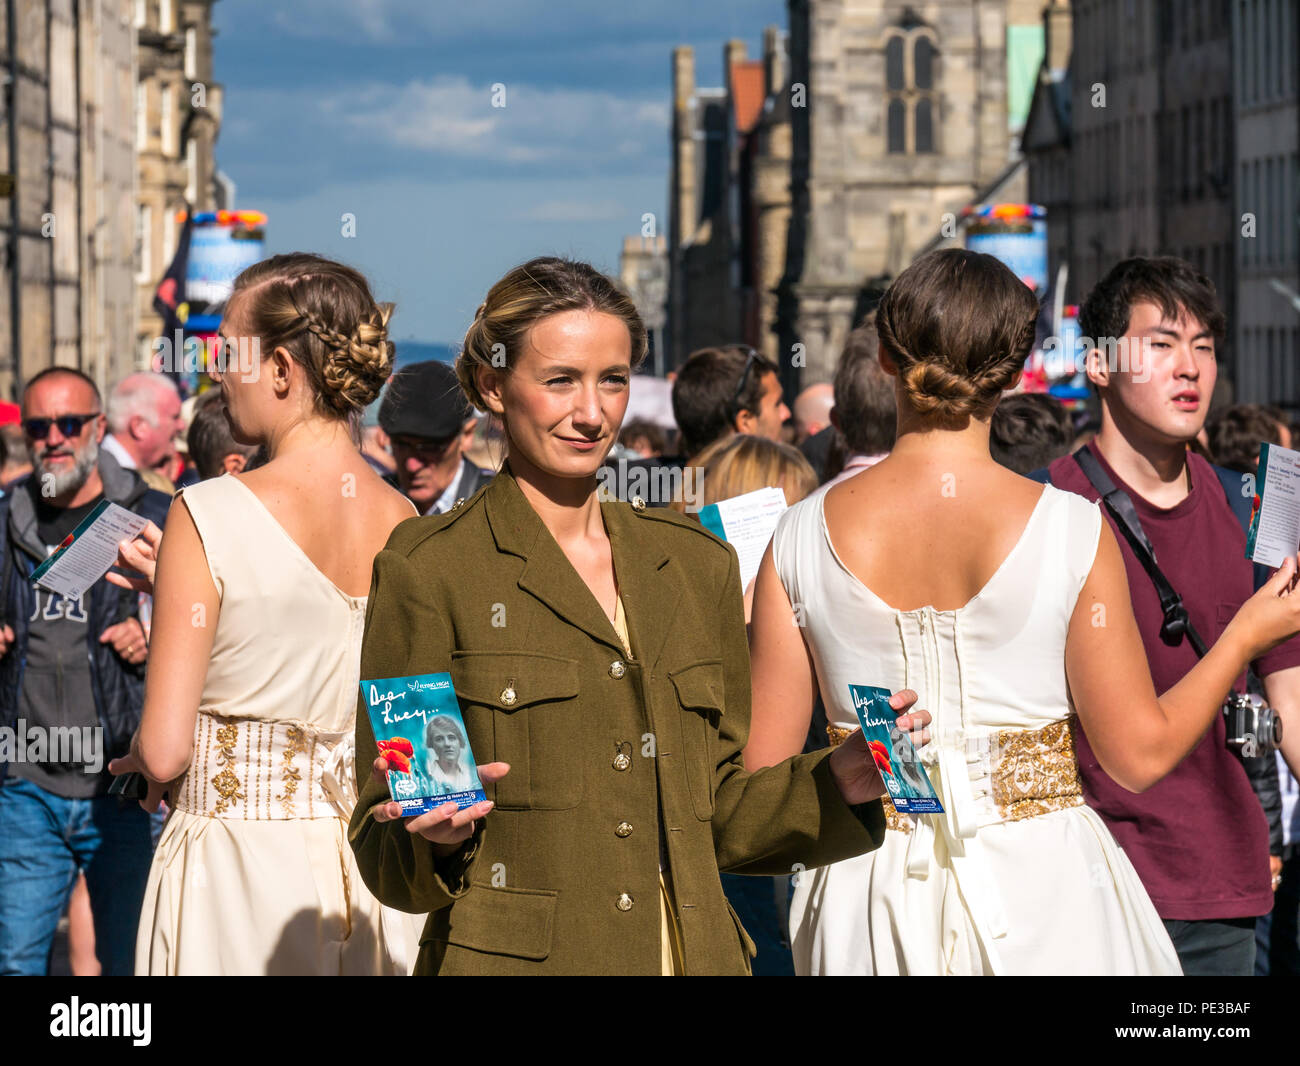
426,416
71,690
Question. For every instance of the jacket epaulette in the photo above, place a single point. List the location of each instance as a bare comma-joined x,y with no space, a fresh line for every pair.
673,518
411,532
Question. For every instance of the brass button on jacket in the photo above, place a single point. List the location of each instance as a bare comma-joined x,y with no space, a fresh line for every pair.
617,669
534,890
623,829
624,902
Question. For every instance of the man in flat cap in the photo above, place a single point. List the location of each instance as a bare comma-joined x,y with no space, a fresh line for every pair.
426,417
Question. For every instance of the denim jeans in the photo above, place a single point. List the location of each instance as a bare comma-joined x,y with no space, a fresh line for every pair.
44,840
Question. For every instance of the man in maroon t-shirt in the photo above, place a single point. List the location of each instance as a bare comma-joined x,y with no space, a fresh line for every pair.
1198,838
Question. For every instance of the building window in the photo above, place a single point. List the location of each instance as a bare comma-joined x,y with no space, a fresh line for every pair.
897,125
924,126
894,63
923,62
141,14
167,120
169,234
191,53
166,16
143,260
910,98
141,114
192,170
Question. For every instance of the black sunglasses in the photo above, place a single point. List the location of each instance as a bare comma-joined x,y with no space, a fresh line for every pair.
69,425
744,377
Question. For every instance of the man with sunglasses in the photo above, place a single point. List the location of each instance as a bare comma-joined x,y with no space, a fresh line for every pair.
68,668
429,422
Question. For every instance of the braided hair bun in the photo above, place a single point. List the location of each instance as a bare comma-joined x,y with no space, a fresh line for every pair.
357,366
322,312
959,326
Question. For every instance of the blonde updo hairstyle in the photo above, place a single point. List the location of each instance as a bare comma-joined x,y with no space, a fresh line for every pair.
541,287
741,463
323,314
958,325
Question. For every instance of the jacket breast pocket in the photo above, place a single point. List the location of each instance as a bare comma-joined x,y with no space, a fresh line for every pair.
700,689
535,726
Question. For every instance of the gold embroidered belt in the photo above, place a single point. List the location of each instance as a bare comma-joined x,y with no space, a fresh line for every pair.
251,770
1031,772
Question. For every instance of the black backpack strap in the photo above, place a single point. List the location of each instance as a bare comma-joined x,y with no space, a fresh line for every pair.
1177,624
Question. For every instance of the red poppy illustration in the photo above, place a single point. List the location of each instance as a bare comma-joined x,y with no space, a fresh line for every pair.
881,754
398,753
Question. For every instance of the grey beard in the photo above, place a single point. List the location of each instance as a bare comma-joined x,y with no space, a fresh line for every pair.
54,484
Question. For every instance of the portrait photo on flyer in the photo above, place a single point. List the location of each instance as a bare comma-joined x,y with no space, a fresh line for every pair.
420,733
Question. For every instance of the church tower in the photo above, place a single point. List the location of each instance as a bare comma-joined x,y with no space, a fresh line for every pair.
899,118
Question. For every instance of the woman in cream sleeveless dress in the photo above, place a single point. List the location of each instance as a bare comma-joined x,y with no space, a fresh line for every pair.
1018,876
255,650
253,873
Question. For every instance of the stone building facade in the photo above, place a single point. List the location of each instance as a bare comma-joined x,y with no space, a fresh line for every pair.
107,127
67,171
643,273
1148,134
904,121
821,170
1046,140
178,117
712,296
1266,327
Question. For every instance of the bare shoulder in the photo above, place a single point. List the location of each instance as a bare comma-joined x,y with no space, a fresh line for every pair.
387,500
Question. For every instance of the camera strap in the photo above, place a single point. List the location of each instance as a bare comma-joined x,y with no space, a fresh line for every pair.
1177,623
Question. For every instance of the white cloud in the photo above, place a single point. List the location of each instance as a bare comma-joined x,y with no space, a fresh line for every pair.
452,116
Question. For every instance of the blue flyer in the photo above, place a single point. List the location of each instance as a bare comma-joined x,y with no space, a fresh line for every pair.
419,731
900,767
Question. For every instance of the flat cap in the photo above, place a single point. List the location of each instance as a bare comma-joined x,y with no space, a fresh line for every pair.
424,400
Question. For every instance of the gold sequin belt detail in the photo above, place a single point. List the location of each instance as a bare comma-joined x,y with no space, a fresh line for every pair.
244,769
1032,772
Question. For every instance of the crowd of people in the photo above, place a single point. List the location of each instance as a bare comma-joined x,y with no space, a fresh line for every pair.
651,734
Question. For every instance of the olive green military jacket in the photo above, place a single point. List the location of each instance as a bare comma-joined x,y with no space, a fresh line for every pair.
562,876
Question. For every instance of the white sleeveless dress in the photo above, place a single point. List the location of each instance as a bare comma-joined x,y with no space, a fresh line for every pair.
1017,876
254,873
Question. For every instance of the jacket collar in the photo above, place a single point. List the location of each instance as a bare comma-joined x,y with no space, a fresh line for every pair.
121,486
647,591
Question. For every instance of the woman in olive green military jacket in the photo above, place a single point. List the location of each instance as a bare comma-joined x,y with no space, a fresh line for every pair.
599,655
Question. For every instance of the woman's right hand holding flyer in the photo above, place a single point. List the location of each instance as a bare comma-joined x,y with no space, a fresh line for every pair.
445,827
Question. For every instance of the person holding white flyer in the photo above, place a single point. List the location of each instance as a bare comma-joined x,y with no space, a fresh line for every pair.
1005,606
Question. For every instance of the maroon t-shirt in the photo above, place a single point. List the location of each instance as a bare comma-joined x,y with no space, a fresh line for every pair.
1198,838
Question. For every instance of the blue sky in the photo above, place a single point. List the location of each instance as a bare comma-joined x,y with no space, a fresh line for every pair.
383,109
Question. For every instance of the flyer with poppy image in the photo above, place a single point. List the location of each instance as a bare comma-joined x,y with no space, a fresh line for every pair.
896,758
421,735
